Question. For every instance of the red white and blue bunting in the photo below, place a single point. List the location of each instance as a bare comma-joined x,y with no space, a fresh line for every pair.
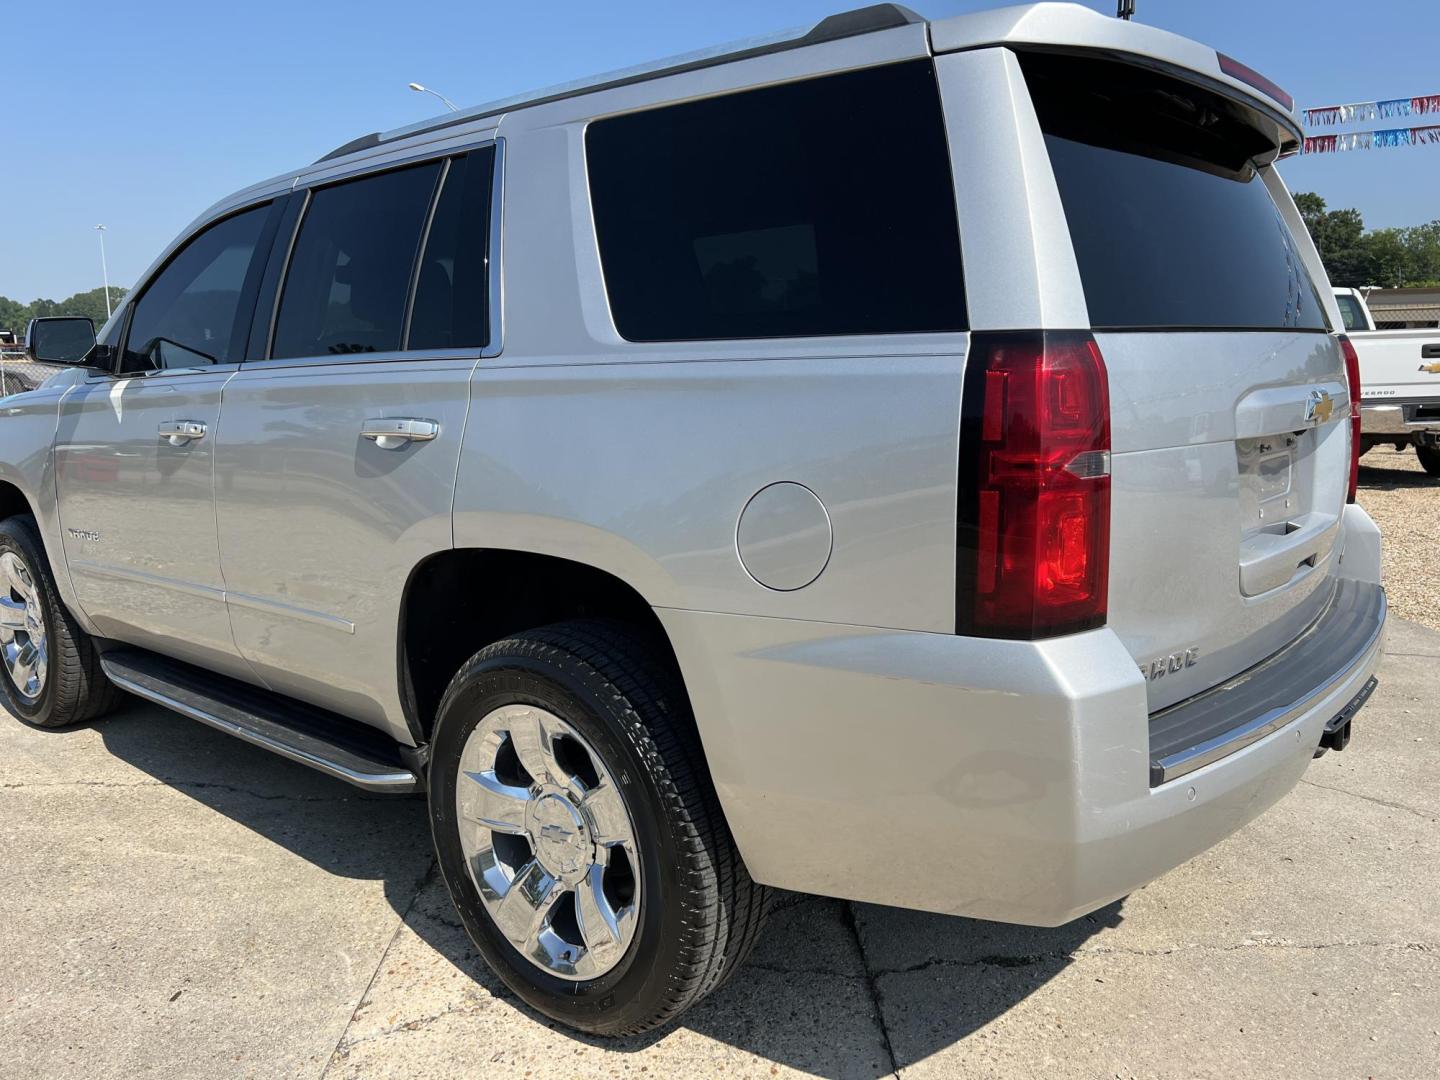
1371,140
1361,111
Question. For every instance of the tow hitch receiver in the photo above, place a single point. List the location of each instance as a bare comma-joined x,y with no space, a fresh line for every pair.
1337,731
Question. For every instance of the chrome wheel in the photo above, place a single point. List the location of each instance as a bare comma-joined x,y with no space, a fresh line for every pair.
548,842
22,628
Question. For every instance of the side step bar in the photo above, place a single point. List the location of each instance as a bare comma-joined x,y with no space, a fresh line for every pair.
325,741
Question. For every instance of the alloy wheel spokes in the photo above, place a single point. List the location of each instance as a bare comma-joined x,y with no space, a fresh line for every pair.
22,628
533,733
15,577
490,802
610,819
599,922
522,912
12,616
548,841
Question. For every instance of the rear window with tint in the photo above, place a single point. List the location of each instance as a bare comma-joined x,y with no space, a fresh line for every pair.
1172,224
822,207
349,277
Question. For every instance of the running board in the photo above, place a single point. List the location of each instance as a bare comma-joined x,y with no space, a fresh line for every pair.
332,744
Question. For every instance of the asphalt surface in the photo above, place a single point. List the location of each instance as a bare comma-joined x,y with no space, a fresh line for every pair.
178,904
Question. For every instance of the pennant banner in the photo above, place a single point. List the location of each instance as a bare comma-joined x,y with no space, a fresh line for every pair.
1360,111
1371,140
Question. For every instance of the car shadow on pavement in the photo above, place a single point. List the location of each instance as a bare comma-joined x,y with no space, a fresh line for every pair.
1382,479
834,989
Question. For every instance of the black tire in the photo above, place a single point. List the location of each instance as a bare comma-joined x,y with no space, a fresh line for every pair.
700,913
1429,459
75,690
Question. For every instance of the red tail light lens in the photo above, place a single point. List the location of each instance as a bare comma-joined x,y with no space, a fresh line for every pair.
1352,376
1034,521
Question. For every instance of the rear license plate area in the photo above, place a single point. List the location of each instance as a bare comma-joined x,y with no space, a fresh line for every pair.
1267,481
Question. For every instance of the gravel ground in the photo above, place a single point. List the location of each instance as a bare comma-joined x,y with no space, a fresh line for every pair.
1405,503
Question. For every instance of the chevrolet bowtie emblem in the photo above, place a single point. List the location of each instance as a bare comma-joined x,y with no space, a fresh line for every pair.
1319,407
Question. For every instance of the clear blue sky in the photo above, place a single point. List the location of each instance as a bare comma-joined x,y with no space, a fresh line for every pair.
141,115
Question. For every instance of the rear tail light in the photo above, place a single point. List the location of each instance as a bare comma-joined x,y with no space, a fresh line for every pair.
1352,376
1034,514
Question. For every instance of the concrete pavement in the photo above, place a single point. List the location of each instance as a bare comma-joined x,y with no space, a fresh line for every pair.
179,904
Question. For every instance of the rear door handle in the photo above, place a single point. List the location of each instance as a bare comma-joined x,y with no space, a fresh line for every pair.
1430,352
391,433
181,432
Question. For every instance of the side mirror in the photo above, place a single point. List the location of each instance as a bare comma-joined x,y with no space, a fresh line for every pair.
66,339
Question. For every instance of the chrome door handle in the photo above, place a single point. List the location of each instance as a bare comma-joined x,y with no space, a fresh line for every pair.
391,433
181,432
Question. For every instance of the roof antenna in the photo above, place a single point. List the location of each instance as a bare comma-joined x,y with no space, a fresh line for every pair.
1124,9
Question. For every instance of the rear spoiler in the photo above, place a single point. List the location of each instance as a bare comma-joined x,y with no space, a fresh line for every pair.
1055,27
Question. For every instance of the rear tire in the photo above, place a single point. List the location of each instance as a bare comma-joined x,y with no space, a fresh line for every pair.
1429,459
613,719
49,667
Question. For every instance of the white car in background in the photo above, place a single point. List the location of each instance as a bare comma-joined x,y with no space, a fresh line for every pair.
1399,382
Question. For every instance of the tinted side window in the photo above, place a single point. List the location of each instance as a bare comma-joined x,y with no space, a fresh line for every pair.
187,316
451,308
349,277
814,208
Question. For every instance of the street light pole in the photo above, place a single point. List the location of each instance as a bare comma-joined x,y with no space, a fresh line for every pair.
434,93
104,270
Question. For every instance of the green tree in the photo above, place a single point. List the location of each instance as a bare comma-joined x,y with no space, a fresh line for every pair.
16,316
13,315
1423,244
1354,257
91,303
1337,236
1385,258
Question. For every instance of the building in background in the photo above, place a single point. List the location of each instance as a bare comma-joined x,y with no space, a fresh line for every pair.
1402,309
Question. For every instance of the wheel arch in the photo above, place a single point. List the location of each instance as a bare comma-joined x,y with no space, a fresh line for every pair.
460,600
13,501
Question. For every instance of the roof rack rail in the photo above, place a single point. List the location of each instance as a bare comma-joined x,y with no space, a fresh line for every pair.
846,24
364,142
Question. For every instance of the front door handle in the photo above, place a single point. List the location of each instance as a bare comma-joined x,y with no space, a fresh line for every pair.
391,433
181,432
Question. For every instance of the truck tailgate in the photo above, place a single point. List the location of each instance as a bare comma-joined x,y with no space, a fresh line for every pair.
1398,364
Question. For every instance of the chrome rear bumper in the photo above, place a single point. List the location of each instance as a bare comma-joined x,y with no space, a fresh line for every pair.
1399,418
1344,640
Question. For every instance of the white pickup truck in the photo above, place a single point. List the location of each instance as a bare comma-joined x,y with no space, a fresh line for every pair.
1399,382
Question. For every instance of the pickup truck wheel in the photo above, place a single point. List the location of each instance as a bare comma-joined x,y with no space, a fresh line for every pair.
1429,459
579,834
49,667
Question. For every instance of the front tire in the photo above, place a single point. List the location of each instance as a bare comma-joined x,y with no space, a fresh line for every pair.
49,667
578,832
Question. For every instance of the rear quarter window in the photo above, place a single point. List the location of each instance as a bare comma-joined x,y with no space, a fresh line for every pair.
822,207
1172,224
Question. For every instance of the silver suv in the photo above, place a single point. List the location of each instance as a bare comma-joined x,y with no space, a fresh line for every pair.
902,461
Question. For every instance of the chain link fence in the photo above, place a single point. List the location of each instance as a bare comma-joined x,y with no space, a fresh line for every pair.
18,374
